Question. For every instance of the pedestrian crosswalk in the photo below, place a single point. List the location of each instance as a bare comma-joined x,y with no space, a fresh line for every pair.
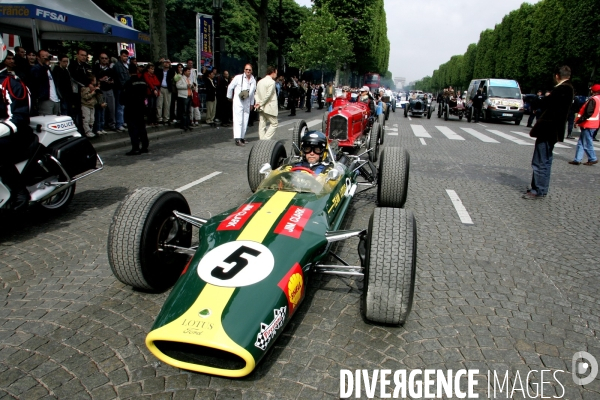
482,134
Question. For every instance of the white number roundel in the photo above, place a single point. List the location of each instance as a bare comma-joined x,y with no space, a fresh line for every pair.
236,264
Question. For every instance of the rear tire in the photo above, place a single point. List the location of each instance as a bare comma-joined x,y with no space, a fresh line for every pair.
376,131
299,129
394,167
446,112
59,201
390,266
264,151
142,221
405,111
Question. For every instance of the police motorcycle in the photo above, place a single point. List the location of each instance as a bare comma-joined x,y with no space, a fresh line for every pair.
55,161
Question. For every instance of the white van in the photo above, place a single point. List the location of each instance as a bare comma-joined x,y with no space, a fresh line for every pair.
503,99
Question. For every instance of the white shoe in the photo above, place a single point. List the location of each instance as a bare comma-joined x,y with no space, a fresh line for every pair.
102,132
124,125
120,129
90,134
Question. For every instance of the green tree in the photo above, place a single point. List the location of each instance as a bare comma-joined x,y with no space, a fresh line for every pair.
468,65
323,44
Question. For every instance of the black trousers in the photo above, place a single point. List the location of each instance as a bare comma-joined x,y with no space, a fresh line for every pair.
136,127
292,104
308,102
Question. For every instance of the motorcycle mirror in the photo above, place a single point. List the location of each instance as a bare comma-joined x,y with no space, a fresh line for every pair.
265,169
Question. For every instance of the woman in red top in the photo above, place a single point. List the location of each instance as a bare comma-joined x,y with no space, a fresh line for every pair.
152,93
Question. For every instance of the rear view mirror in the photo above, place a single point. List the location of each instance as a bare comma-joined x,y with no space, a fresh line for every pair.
265,169
332,175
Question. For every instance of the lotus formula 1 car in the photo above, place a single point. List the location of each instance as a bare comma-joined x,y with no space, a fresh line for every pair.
237,289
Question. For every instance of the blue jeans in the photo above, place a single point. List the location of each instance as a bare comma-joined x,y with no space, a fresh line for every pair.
118,108
584,144
542,166
98,119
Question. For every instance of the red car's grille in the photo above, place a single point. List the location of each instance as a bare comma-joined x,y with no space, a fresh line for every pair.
338,128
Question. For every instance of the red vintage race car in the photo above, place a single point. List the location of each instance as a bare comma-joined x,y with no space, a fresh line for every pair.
350,124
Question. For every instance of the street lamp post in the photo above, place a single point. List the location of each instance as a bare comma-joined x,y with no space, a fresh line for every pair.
217,5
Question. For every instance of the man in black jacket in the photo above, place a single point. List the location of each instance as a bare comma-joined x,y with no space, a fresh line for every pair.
534,110
44,97
62,82
224,110
478,100
133,99
106,77
79,70
211,97
549,129
15,134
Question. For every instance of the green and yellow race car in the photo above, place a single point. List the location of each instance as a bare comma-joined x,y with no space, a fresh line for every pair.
235,292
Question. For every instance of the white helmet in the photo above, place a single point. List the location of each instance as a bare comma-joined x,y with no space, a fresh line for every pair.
3,50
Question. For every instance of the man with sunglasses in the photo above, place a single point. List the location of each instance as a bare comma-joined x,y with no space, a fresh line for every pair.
241,92
313,147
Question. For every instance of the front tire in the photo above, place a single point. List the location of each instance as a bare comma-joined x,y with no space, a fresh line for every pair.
394,167
390,266
264,151
376,131
446,112
405,111
140,224
429,113
299,129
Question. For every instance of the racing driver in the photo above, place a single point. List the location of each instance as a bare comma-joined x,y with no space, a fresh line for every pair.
313,147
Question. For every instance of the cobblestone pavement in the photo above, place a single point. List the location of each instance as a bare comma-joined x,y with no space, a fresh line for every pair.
517,290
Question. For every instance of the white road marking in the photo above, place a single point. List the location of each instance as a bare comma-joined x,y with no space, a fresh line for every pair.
480,124
395,124
314,122
526,135
479,135
409,118
449,133
191,184
420,131
387,128
508,137
292,121
391,133
463,214
423,142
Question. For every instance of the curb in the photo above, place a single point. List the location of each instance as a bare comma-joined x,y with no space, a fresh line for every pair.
115,140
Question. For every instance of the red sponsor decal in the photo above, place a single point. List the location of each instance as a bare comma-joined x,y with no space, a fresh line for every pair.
292,285
238,218
293,222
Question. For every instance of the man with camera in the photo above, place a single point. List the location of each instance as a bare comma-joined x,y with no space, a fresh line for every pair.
241,93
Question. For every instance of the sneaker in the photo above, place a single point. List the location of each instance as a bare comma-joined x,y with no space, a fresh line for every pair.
124,125
533,196
120,129
102,132
90,134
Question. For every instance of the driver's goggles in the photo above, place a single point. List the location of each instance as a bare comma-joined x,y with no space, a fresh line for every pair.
315,149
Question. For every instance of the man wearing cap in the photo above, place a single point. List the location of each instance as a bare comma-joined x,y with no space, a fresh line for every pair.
165,76
588,121
549,129
365,98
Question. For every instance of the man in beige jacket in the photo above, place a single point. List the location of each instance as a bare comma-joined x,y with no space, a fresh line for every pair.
265,101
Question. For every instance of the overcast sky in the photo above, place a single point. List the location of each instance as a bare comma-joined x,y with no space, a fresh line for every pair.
425,33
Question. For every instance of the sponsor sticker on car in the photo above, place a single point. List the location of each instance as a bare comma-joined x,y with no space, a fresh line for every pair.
293,222
268,332
292,285
238,218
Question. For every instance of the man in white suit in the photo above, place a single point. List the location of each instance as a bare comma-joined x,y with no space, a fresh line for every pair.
265,102
241,92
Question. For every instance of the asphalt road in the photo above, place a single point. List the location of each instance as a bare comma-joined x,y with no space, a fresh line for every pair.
504,284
